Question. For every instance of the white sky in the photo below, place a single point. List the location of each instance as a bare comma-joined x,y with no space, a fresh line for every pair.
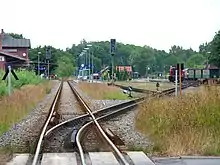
157,23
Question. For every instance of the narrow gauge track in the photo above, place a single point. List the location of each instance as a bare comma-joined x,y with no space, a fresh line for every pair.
65,106
102,114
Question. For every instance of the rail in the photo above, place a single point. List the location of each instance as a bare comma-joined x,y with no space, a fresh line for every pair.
119,154
52,108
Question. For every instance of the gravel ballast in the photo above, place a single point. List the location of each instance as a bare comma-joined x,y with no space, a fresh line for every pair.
123,125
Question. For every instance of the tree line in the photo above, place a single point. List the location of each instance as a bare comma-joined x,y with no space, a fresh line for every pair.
142,59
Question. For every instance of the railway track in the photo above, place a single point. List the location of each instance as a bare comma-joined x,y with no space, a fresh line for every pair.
82,122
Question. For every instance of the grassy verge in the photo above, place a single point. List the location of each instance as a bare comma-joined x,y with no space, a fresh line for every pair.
102,91
144,85
15,107
27,91
183,126
25,77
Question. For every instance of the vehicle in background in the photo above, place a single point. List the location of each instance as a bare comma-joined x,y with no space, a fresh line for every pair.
172,74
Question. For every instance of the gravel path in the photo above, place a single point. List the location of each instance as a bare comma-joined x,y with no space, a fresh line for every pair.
22,136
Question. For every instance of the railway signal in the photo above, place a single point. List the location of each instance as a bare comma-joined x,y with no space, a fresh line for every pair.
112,52
48,57
113,47
8,74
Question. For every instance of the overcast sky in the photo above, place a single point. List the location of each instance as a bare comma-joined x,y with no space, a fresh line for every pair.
157,23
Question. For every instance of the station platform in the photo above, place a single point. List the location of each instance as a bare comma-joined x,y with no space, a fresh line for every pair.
92,158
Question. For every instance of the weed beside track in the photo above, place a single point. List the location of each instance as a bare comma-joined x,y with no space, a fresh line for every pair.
183,126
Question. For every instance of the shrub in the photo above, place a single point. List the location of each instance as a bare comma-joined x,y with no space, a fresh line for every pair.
25,77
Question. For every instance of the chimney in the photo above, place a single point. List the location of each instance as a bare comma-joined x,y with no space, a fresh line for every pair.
1,37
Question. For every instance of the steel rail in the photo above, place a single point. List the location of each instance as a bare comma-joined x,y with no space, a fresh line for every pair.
52,108
119,154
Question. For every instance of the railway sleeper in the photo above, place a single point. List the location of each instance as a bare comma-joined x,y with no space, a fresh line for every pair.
113,137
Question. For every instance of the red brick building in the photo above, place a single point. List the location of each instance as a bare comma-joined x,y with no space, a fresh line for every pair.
124,68
13,51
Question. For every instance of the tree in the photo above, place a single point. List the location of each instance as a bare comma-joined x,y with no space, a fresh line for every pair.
214,56
196,61
17,36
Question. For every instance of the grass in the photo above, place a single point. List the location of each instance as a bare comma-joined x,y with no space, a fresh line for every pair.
101,91
25,77
13,108
146,85
183,126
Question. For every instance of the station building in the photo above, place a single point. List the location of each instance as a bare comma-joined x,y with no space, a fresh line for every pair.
13,52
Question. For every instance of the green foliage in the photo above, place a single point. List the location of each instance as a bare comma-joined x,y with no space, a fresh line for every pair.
25,77
195,60
17,36
65,68
214,46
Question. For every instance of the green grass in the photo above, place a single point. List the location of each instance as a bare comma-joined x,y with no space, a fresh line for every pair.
115,96
183,126
25,77
146,85
27,91
101,91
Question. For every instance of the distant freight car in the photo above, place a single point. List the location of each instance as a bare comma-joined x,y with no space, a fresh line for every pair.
198,74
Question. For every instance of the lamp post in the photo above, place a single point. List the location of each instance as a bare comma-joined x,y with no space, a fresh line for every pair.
85,52
89,45
38,63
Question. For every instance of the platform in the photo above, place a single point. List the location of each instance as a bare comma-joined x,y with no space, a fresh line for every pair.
93,158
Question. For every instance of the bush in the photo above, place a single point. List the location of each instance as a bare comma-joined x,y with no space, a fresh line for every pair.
25,77
187,125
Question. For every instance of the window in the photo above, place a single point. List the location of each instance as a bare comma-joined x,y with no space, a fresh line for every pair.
2,58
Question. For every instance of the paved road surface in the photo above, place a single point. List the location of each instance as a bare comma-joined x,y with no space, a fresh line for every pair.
188,161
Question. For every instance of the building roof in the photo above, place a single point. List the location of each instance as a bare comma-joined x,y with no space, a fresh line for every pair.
11,55
8,41
209,66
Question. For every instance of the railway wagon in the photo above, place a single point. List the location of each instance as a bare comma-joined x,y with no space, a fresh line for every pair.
201,74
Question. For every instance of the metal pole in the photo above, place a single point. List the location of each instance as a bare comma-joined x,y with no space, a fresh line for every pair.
9,80
112,68
176,83
89,67
86,57
180,79
48,67
92,66
38,62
